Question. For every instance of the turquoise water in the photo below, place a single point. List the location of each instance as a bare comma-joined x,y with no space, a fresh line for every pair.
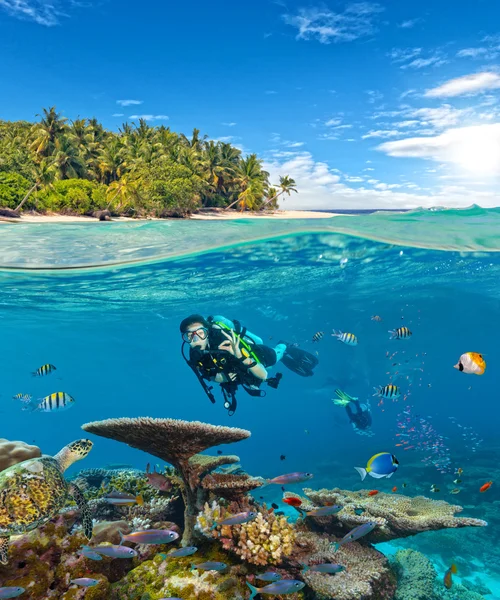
103,303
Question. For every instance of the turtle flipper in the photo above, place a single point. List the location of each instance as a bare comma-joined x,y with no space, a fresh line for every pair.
4,550
84,509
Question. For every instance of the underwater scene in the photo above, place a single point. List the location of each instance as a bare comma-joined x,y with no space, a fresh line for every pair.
251,409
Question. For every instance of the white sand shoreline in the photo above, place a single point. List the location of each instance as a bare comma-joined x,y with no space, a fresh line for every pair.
217,216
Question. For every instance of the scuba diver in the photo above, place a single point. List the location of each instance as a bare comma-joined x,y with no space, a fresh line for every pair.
361,417
224,351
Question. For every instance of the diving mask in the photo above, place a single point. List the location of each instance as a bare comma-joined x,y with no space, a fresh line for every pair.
201,333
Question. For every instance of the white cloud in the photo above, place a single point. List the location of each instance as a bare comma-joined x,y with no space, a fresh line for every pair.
118,115
475,149
225,139
468,84
333,122
411,58
320,187
229,124
294,144
151,117
39,11
419,63
270,92
381,133
409,24
327,26
374,96
128,102
472,53
399,55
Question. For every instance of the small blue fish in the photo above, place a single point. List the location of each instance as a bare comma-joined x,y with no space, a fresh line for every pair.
322,511
243,517
209,566
150,536
383,464
330,568
85,581
269,576
355,534
285,586
88,553
187,551
115,551
291,478
11,592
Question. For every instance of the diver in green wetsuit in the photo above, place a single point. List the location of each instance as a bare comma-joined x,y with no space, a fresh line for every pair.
225,352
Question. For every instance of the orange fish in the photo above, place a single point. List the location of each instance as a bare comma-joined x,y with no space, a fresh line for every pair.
394,489
486,486
292,501
399,444
373,493
447,576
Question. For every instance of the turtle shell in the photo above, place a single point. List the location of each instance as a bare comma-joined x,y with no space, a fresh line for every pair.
31,493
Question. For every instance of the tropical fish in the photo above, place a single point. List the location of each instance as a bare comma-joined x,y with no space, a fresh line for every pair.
282,457
448,582
291,478
376,318
434,489
285,586
274,505
383,464
22,397
355,534
11,592
323,511
150,536
401,333
348,338
44,370
238,519
269,576
123,499
394,489
404,485
58,401
455,491
471,362
209,566
457,481
390,391
89,553
373,492
179,552
291,501
460,471
331,568
115,551
318,336
157,480
85,581
486,486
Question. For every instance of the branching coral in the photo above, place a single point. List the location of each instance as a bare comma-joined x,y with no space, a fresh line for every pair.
12,453
266,540
397,516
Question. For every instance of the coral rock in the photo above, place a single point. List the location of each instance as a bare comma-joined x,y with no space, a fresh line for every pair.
12,453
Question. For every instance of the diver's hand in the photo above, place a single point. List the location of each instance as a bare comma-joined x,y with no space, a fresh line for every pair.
232,345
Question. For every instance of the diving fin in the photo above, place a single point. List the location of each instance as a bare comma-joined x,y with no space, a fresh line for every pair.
299,361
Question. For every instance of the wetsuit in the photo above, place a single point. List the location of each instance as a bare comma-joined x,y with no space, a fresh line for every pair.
362,418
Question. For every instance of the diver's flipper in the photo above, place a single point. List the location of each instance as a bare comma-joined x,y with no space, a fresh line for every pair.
299,361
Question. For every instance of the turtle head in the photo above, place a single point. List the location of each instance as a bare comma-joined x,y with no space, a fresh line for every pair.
73,452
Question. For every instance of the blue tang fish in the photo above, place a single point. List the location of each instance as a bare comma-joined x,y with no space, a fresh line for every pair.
285,586
383,464
269,576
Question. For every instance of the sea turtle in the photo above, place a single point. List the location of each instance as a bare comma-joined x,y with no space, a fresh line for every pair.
33,491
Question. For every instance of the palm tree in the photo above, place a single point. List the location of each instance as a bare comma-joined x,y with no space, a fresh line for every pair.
125,190
68,160
44,173
286,185
111,161
46,133
252,181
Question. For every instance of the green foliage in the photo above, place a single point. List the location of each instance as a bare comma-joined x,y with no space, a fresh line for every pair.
139,170
75,196
13,188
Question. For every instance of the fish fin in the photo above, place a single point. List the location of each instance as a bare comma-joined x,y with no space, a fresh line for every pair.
362,472
305,568
140,500
378,475
193,567
393,334
390,475
453,568
253,589
122,537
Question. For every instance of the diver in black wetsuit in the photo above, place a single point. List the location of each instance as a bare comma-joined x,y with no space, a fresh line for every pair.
361,417
224,351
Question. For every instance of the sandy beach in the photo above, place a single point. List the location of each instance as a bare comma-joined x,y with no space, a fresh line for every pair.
205,216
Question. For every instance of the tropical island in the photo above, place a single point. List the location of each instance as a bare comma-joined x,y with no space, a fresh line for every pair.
78,167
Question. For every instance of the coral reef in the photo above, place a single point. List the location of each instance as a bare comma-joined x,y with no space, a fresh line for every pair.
176,442
398,516
415,574
367,576
12,453
231,487
266,540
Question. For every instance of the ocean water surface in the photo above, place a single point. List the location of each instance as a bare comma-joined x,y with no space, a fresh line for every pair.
103,303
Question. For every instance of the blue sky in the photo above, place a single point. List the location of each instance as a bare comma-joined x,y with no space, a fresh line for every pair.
389,104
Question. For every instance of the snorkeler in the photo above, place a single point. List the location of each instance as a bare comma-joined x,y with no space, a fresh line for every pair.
361,417
224,351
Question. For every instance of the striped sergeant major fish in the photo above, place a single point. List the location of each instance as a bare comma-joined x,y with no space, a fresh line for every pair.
390,391
57,401
44,370
401,333
347,338
317,336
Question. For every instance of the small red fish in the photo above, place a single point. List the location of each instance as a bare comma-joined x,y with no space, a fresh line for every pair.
373,493
291,501
394,489
447,576
486,486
